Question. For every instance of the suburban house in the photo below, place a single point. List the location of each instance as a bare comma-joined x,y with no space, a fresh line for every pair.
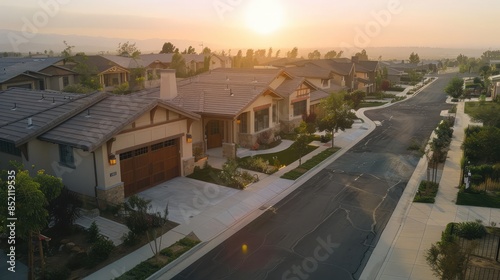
103,146
242,107
220,61
110,74
35,73
495,86
393,75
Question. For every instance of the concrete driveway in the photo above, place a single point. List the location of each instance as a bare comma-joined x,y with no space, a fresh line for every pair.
185,197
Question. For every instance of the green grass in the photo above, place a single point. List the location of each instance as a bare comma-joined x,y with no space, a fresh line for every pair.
478,199
426,192
472,107
208,174
286,156
315,160
371,104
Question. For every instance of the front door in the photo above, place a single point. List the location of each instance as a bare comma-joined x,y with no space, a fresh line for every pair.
215,133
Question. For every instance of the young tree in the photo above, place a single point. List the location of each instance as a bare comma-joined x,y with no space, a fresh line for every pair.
455,87
337,114
448,260
67,53
301,141
169,48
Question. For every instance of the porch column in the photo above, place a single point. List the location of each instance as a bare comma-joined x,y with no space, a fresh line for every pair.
229,148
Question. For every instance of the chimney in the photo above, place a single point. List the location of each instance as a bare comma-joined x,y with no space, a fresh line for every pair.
168,84
355,59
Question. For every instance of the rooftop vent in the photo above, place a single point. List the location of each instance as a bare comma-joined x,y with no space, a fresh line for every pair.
15,107
43,97
231,92
88,113
30,122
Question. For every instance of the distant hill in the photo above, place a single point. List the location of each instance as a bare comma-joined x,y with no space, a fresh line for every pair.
87,44
93,45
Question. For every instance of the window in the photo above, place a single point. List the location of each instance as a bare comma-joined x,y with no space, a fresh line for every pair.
66,157
65,81
244,122
9,148
261,119
275,113
299,108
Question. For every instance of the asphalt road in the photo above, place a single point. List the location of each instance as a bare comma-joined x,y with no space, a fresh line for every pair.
328,227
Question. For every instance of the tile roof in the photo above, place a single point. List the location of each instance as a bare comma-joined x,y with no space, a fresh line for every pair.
210,93
100,62
93,127
46,109
371,65
11,67
318,95
309,70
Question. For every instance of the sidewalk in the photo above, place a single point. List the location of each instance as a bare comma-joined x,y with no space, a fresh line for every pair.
413,227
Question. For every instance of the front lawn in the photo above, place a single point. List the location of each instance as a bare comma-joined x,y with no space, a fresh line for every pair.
287,156
371,104
472,107
481,199
315,160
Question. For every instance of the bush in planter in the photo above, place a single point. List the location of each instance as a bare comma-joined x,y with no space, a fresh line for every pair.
100,251
93,233
470,230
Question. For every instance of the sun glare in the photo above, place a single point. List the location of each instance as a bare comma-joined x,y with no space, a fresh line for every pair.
264,17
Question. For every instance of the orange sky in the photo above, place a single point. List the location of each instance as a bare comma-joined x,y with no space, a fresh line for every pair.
239,23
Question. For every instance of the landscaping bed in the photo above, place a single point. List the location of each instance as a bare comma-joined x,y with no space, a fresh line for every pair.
315,160
230,175
166,256
426,192
482,199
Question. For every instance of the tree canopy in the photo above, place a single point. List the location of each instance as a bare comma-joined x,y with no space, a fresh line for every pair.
414,58
455,87
362,55
336,114
294,53
128,49
168,47
333,54
314,55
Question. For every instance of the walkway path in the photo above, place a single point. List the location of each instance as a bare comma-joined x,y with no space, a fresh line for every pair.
413,227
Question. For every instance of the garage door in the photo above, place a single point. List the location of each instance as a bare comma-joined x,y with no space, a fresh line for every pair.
150,165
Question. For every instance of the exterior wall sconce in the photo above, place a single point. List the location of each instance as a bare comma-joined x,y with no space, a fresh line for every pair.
238,121
112,159
189,138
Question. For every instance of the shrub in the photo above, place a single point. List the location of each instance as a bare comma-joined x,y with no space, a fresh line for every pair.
64,209
93,233
471,230
137,220
140,271
130,238
100,251
62,273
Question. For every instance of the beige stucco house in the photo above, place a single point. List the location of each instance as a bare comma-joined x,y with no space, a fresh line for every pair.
103,146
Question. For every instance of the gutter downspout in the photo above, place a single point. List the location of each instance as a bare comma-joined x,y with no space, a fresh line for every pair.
95,179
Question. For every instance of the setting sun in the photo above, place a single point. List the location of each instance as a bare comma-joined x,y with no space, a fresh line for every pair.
264,17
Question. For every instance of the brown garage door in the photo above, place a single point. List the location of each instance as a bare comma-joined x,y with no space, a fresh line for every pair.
149,165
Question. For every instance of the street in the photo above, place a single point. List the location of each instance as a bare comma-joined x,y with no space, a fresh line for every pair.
328,227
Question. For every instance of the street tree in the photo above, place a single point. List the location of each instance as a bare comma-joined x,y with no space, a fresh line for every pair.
414,58
168,47
355,98
336,114
455,87
301,140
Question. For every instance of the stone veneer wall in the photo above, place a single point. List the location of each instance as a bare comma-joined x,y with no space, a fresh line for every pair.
114,195
229,150
188,165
